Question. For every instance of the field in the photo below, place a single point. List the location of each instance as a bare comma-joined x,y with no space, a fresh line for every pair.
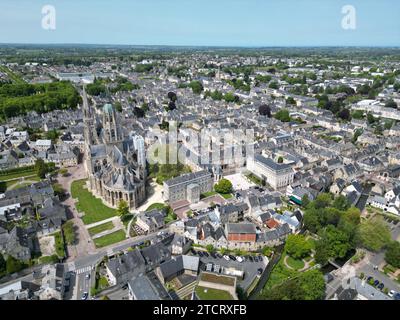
111,238
100,228
294,263
16,175
212,294
93,208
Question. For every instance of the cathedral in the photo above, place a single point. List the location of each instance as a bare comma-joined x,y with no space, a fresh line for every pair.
115,162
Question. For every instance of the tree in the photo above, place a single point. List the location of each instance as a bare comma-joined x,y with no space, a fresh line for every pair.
305,201
265,110
297,246
196,86
40,168
273,85
280,160
391,104
210,248
3,265
13,265
344,114
224,186
341,203
172,96
370,118
337,242
392,254
69,232
309,285
123,209
283,115
374,234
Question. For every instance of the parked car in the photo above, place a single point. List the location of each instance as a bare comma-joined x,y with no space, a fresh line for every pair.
259,270
213,255
85,296
376,282
219,256
87,277
251,259
226,258
200,253
369,278
240,259
381,286
206,254
232,257
391,293
396,296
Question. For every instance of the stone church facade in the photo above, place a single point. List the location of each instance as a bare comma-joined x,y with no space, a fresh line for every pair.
115,164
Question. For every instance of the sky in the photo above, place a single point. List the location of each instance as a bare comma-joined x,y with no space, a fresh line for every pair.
249,23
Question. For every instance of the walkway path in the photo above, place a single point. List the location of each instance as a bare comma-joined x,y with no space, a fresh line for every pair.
84,244
306,264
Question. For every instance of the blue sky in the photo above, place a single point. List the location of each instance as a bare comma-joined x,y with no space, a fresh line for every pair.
202,22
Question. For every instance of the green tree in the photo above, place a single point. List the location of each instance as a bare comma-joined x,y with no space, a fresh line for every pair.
305,201
374,234
297,246
224,186
283,115
69,232
341,203
392,254
280,160
210,248
3,265
196,86
40,168
13,265
391,104
123,208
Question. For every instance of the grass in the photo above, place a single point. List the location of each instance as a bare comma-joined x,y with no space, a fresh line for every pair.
212,294
111,238
157,205
13,76
207,194
254,179
48,259
100,228
294,263
59,244
280,274
226,195
221,279
16,175
389,269
93,208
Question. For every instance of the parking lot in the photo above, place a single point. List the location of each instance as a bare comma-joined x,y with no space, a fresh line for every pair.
250,268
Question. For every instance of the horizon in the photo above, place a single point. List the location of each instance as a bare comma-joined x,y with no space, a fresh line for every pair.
226,24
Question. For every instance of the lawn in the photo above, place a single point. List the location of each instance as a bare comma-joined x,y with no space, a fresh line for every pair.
226,195
16,175
100,228
279,274
207,194
111,238
212,294
93,208
294,263
156,205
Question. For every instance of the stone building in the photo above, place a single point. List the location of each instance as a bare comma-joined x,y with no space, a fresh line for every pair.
115,162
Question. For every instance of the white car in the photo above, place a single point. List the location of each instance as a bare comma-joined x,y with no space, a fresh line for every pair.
226,258
391,293
240,259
